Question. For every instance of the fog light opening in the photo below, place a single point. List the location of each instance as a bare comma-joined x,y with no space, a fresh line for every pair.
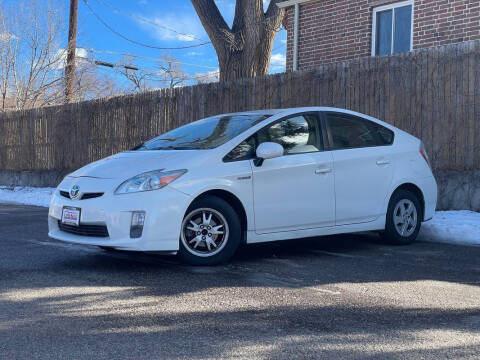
136,227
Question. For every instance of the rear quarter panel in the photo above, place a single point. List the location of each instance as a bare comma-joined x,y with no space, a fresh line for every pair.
411,168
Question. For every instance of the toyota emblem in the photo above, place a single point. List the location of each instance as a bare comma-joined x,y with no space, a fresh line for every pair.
74,192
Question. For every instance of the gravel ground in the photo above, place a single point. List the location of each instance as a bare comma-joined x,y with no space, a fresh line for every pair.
342,297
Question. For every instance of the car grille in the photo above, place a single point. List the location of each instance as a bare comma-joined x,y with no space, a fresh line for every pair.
84,196
84,230
91,195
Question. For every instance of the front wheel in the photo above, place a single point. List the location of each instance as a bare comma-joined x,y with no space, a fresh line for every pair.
403,218
211,232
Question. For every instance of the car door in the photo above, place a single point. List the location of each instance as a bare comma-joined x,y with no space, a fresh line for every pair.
363,166
294,191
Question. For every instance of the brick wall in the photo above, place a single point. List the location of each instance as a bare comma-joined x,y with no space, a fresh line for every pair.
445,22
339,30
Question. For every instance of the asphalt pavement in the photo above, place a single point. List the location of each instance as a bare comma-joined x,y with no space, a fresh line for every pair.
338,297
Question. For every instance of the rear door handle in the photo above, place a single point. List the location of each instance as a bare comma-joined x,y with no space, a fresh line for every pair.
323,171
383,162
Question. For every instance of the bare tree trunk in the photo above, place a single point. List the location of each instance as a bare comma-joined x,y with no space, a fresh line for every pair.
244,50
8,56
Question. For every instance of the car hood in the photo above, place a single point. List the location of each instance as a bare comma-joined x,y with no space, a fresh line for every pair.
128,164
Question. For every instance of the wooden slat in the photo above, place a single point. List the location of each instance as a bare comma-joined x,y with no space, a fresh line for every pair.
476,117
462,101
433,100
432,93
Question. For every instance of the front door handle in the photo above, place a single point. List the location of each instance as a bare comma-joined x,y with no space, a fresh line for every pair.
383,162
323,171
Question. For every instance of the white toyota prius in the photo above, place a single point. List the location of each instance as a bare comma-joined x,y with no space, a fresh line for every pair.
204,188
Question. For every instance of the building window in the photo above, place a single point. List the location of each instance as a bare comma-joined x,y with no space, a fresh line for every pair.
392,28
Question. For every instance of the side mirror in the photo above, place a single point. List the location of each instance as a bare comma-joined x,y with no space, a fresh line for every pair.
268,150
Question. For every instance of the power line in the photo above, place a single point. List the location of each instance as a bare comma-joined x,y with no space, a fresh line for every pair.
279,47
110,52
145,20
134,68
198,77
140,18
147,58
135,41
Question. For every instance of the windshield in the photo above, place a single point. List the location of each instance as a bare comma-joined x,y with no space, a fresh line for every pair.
204,134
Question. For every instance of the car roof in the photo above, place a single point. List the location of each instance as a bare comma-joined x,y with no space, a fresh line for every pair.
278,113
271,112
266,112
294,110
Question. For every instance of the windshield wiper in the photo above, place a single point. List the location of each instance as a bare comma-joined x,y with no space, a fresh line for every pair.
172,148
137,147
168,139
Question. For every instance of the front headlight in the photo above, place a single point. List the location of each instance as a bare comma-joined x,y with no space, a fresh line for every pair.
152,180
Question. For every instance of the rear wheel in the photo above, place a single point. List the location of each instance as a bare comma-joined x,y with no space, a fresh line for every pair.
403,218
211,232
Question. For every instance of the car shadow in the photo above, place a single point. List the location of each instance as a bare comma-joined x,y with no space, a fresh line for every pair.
272,300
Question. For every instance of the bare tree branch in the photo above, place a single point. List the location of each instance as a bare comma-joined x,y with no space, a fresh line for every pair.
273,11
213,22
32,61
138,79
171,71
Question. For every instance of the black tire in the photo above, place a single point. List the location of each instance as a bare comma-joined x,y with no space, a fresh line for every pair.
232,238
108,248
391,234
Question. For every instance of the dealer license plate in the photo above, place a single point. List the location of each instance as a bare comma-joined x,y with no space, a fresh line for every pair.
71,216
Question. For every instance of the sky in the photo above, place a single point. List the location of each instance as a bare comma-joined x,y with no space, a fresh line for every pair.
137,19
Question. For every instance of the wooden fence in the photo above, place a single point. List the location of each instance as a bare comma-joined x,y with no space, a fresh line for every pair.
433,94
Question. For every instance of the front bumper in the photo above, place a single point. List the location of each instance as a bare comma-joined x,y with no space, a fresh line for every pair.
164,210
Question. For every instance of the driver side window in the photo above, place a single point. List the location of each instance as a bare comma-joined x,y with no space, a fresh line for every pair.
244,151
297,134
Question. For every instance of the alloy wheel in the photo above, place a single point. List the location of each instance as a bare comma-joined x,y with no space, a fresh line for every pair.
405,217
204,232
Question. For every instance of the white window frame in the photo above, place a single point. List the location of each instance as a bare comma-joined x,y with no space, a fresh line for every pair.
390,7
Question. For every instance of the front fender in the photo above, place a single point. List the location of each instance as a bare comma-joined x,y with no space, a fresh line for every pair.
238,182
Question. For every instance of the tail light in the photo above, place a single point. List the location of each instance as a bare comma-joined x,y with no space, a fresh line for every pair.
423,152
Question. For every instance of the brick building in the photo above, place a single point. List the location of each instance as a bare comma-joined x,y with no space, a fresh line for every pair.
329,31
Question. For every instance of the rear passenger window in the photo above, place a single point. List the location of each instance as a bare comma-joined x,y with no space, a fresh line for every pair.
349,132
386,135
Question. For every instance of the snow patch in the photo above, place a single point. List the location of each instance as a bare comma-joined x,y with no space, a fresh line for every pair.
452,227
26,195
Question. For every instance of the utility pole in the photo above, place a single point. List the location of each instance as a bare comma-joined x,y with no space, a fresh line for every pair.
72,45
